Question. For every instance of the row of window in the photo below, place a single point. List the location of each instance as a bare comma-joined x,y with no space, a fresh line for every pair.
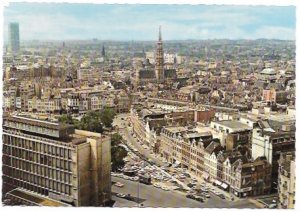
59,177
43,187
37,146
38,160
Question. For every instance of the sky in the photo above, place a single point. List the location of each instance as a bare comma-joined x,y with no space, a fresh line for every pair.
71,21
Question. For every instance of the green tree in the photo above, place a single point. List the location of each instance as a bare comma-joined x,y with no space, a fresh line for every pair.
66,119
91,122
116,139
107,116
118,153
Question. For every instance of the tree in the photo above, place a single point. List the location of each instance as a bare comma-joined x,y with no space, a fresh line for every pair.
118,153
116,139
66,119
107,116
91,122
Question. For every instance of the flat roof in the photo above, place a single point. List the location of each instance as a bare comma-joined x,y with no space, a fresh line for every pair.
37,122
233,124
176,129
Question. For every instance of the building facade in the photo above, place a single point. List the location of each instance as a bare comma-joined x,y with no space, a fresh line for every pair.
55,161
286,181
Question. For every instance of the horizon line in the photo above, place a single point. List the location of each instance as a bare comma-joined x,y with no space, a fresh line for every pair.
130,40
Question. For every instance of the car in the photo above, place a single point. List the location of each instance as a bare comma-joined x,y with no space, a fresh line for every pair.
207,195
190,196
165,188
120,185
121,195
198,198
272,206
190,185
222,196
187,174
156,185
217,193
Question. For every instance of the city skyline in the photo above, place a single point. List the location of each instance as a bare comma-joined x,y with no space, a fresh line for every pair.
120,22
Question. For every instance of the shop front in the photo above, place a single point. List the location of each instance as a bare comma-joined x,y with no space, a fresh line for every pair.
242,193
217,183
225,186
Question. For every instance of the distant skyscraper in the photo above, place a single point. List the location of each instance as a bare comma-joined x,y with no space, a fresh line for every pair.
14,37
159,59
103,51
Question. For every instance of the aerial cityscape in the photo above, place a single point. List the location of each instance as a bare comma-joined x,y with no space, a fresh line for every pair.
149,106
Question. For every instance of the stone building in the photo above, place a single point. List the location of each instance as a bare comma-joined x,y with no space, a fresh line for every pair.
54,162
286,180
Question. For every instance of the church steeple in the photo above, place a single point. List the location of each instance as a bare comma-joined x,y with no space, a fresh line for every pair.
159,34
159,59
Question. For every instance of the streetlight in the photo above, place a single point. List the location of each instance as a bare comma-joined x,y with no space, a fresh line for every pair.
138,191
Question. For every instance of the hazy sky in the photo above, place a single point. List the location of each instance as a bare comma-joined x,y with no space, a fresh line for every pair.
140,22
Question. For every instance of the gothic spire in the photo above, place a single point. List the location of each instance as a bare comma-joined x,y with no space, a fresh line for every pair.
159,36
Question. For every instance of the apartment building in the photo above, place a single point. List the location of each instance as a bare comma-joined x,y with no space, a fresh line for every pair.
286,180
55,162
269,143
251,178
185,148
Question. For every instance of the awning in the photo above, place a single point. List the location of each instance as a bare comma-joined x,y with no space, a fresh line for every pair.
224,185
217,182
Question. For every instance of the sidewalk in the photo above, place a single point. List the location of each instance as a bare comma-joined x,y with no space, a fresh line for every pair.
257,203
225,193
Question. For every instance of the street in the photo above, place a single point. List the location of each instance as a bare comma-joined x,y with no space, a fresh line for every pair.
148,195
154,197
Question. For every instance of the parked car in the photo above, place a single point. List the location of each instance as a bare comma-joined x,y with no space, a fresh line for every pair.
156,185
165,188
222,196
273,206
121,195
207,195
198,198
120,185
190,185
217,193
190,196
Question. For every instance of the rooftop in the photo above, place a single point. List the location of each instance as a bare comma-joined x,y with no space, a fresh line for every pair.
176,129
233,124
268,71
